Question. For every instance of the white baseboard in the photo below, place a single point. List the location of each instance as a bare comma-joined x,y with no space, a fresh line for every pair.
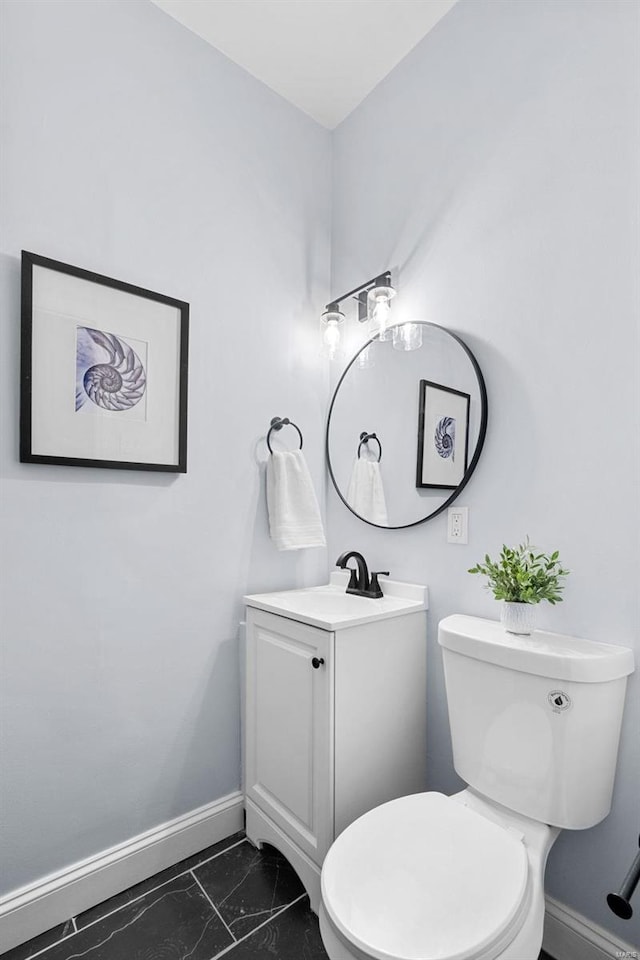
570,936
31,910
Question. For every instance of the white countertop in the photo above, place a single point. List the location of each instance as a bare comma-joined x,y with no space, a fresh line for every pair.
331,608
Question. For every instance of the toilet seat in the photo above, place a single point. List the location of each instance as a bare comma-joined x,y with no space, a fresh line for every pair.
427,876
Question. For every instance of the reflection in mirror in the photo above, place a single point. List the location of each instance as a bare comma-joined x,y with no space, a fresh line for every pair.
406,426
365,495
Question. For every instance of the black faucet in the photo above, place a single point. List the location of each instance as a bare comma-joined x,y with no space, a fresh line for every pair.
359,582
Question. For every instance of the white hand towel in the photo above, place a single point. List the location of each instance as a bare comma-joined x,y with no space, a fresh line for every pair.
366,492
294,514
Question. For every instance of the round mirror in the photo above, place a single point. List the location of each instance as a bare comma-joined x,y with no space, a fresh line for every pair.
406,426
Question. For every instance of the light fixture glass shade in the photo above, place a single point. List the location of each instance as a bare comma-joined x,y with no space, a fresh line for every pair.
331,333
364,360
379,311
407,336
382,291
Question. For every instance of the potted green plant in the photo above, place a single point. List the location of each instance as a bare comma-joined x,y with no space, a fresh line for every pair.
522,578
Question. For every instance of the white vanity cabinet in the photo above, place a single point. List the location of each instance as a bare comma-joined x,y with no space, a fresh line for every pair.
335,714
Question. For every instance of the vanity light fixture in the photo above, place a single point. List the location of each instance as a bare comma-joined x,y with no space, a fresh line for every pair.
407,336
373,306
331,320
379,309
364,359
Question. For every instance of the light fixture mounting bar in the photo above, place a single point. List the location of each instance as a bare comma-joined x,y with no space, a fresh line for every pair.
382,280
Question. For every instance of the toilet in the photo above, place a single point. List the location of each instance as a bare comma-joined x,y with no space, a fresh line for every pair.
535,723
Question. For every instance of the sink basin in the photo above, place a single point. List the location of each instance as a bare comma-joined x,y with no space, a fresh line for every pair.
330,608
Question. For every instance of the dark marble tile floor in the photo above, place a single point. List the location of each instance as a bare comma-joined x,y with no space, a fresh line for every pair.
229,900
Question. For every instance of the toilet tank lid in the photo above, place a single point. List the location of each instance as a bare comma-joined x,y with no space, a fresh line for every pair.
541,653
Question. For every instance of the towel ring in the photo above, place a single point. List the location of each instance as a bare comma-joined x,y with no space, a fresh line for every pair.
364,438
277,423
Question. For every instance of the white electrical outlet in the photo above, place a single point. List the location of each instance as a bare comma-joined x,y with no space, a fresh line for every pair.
458,525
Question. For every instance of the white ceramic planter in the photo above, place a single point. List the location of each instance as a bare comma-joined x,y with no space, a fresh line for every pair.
518,618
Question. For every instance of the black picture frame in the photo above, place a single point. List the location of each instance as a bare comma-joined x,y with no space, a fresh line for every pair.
71,317
436,452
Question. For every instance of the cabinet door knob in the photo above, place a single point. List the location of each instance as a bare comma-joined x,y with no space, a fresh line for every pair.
316,662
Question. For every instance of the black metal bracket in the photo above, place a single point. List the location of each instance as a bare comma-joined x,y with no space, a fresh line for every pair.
364,438
277,423
360,294
619,902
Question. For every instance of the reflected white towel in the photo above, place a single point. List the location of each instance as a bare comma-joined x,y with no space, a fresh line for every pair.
294,514
366,493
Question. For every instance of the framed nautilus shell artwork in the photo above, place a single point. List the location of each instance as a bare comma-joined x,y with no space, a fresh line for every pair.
104,371
443,431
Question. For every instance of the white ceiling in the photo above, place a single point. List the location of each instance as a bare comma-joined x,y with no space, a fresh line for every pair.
324,56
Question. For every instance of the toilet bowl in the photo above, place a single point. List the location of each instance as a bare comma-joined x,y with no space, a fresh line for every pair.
430,876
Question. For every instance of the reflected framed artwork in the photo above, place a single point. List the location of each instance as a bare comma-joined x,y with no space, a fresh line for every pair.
443,436
104,369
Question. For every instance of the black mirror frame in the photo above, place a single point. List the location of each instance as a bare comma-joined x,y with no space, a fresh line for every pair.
484,412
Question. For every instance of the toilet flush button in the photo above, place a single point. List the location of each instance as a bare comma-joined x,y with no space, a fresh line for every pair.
559,701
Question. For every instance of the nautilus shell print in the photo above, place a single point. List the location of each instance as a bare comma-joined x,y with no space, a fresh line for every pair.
445,438
109,372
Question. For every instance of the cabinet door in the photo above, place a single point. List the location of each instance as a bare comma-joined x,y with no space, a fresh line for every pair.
289,728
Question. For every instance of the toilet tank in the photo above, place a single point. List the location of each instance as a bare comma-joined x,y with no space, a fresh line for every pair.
535,721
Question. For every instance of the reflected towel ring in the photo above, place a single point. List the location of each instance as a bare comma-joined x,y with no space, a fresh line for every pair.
364,438
277,423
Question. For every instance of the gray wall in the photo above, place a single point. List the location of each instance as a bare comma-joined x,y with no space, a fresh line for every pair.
497,169
132,148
